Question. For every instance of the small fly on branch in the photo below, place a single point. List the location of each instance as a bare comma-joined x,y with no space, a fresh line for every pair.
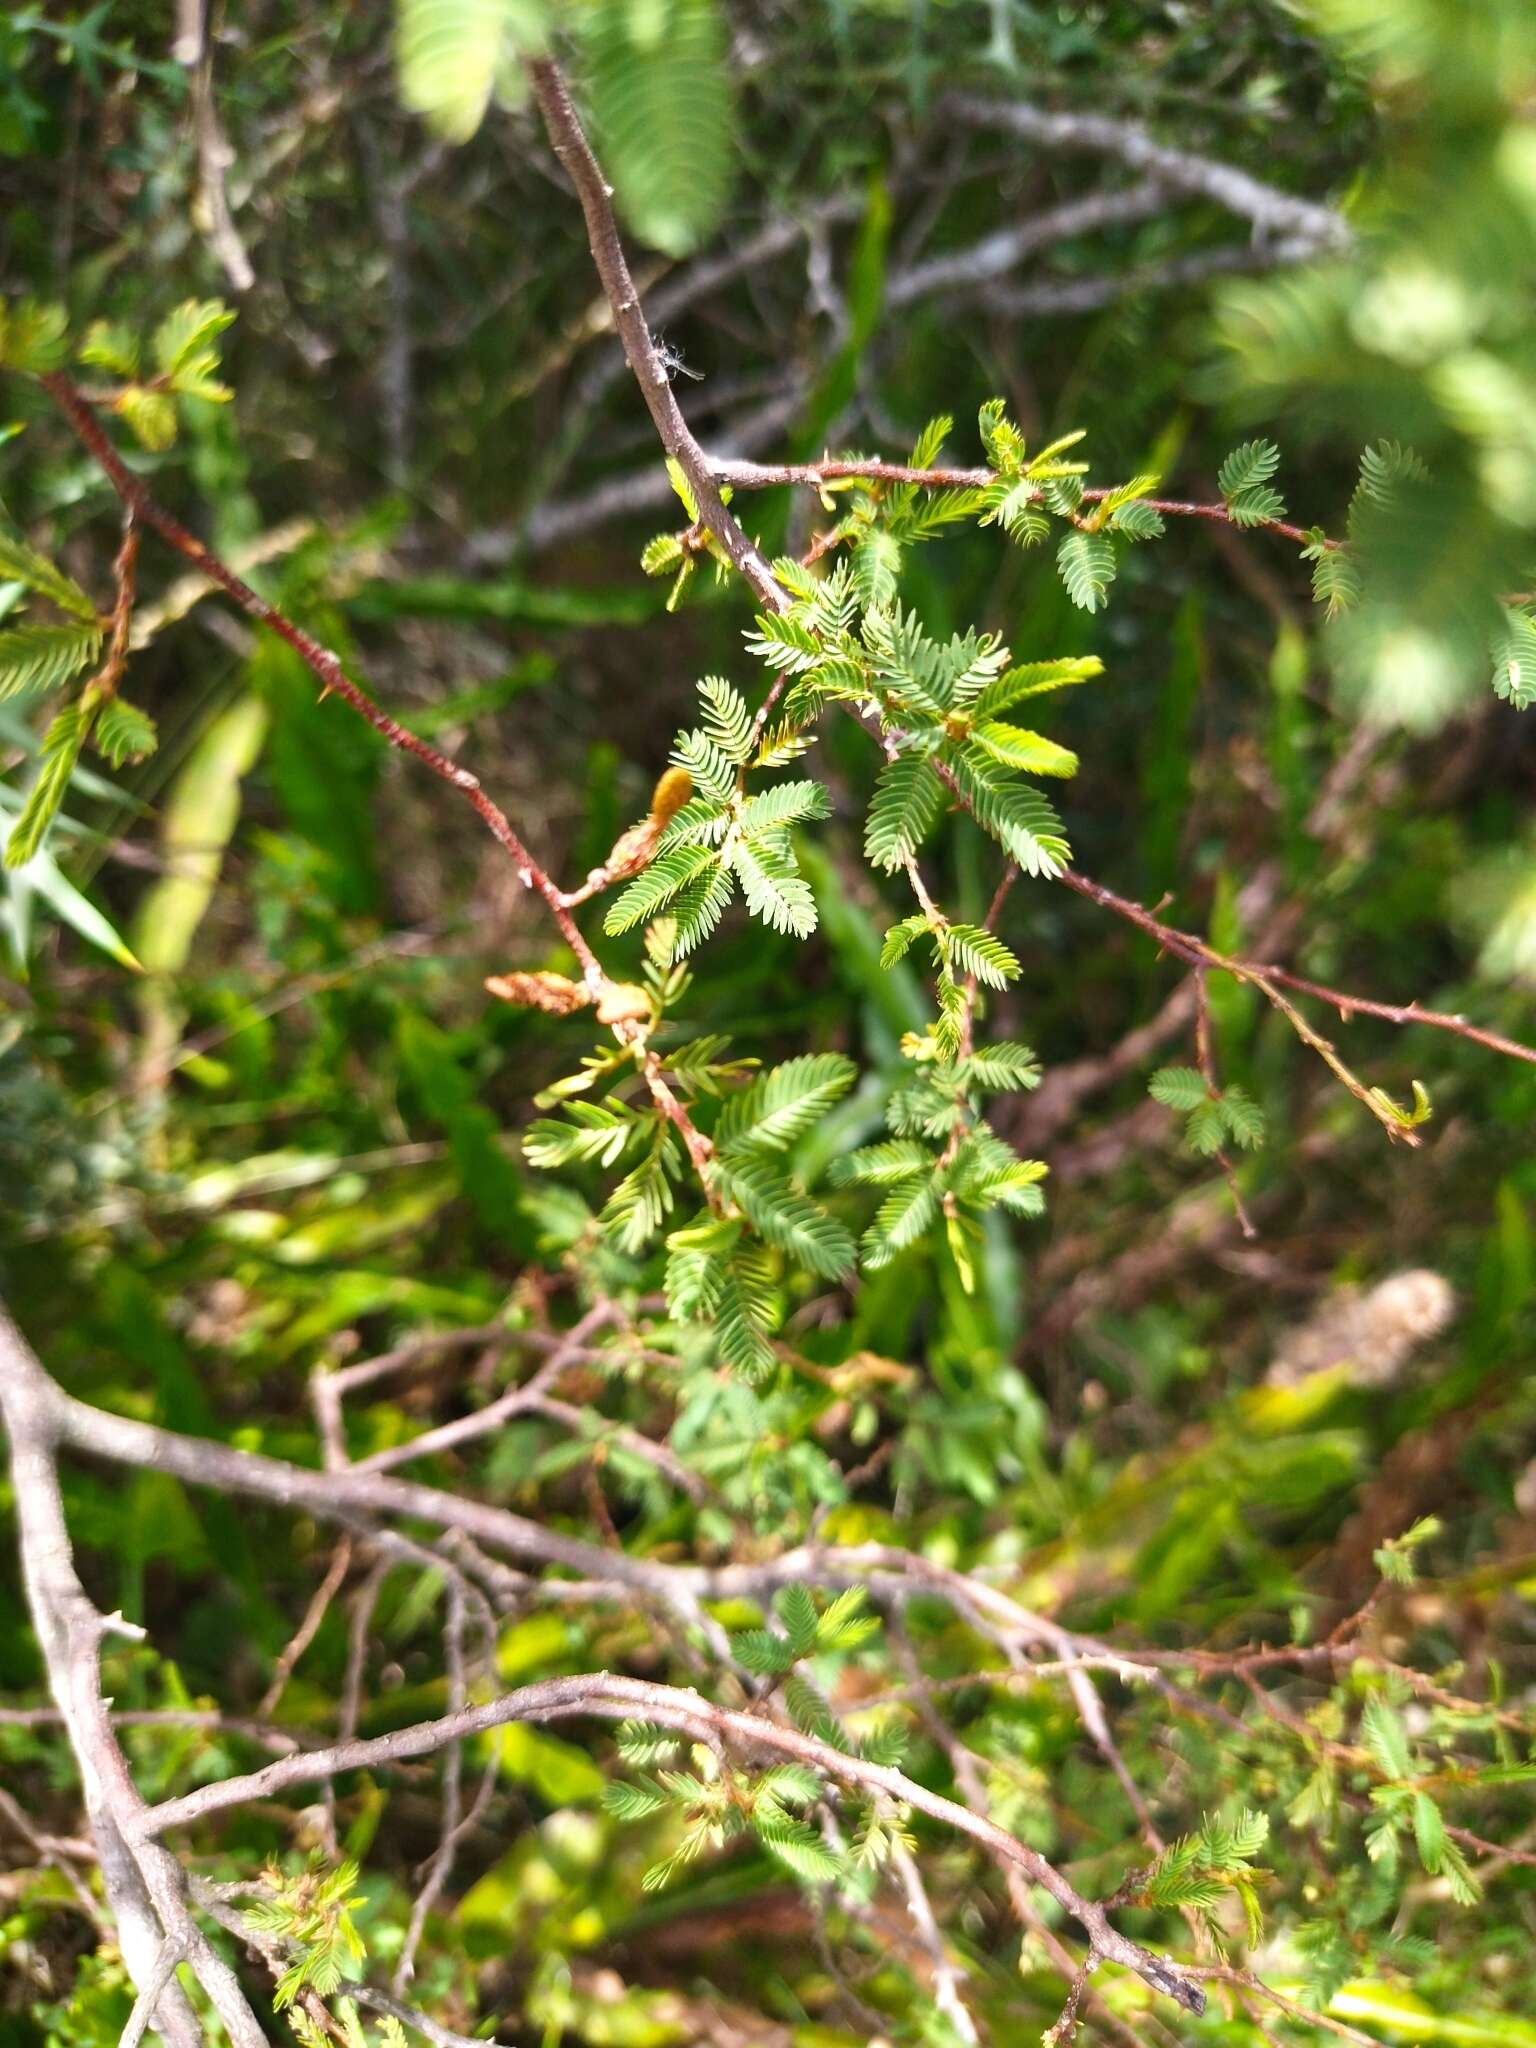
671,358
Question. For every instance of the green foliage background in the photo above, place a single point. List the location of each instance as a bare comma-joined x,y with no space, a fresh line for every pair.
294,1137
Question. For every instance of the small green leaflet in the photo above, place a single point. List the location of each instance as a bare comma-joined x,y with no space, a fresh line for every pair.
908,798
32,335
899,937
726,719
656,885
788,1219
1033,679
1018,817
1087,565
35,658
1030,751
1211,1121
1514,659
451,55
773,886
1243,481
785,1103
1336,584
979,952
20,563
1383,1733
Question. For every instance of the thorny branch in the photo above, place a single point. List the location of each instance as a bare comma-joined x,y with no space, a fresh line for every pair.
1270,981
324,664
612,1005
1268,209
570,145
145,1886
124,572
651,373
765,476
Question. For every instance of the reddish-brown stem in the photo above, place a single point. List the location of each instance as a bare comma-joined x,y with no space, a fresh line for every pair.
1187,508
700,1151
335,681
1401,1013
1196,953
570,145
1205,1056
762,476
124,569
1186,946
320,660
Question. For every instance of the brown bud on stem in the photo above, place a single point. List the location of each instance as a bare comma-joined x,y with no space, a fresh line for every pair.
552,992
618,1002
